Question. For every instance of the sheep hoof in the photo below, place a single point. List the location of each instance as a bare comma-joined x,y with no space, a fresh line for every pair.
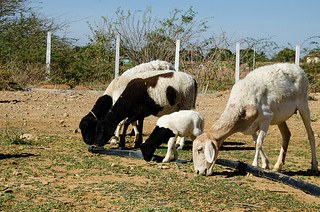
179,147
249,175
165,160
113,141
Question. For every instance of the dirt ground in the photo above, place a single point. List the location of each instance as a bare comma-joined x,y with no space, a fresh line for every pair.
53,111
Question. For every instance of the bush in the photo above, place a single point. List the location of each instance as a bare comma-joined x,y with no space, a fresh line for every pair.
313,71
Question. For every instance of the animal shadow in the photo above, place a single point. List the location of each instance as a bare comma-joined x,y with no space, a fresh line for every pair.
230,174
22,155
234,145
307,172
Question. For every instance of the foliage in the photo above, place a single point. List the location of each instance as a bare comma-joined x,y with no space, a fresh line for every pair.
143,38
313,71
23,39
81,65
285,55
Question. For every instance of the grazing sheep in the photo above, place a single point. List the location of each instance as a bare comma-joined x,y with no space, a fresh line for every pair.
154,65
267,96
168,128
164,93
89,122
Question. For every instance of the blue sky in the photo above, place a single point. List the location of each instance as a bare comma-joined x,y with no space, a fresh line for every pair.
285,21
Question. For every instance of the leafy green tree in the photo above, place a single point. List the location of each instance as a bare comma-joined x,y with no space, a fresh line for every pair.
285,55
23,41
220,54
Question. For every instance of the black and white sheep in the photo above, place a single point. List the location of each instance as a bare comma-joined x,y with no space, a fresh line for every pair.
158,95
182,123
154,65
267,96
89,122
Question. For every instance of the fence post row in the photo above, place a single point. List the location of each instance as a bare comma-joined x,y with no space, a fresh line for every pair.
237,70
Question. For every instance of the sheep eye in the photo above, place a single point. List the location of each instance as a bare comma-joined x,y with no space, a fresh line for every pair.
200,150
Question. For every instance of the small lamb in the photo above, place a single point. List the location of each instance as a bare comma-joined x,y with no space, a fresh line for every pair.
168,128
267,96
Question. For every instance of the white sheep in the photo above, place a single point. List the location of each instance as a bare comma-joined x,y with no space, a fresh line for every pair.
104,103
267,96
163,93
182,123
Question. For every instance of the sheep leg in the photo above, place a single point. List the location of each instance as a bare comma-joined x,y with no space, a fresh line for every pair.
171,147
122,142
285,133
136,131
264,159
138,141
305,115
262,134
116,137
181,142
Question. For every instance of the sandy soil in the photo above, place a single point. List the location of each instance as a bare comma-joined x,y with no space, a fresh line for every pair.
50,111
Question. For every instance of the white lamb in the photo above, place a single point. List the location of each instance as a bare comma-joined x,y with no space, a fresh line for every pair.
168,128
267,96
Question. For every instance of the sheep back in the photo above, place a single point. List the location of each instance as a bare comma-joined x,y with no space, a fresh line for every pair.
278,82
183,122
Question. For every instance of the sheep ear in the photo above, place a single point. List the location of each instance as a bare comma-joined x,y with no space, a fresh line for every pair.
209,151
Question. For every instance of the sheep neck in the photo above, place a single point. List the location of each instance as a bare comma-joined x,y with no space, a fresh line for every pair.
101,107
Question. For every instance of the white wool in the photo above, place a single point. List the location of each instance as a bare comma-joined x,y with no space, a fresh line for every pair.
183,122
183,84
277,88
118,85
267,96
278,81
154,65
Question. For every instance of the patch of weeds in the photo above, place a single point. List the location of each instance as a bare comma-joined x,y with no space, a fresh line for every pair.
14,136
29,193
6,196
16,139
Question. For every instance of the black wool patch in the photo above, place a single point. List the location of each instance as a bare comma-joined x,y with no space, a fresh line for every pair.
171,94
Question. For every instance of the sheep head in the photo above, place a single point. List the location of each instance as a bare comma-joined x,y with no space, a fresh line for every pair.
205,153
158,136
88,123
88,126
104,131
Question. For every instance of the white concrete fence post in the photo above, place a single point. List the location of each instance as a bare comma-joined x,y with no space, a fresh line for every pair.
297,57
48,56
237,71
116,67
176,62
